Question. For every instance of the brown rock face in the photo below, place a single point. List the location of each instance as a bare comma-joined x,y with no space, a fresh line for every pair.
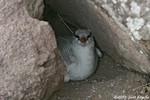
122,36
30,67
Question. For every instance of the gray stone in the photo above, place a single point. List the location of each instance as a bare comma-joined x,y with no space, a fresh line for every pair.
30,66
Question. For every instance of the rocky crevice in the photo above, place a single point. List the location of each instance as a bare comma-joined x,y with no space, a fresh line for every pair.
115,33
31,67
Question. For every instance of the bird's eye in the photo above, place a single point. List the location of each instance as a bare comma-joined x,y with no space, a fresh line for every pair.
89,35
76,36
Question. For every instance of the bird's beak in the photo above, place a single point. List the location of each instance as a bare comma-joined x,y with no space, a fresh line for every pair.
83,40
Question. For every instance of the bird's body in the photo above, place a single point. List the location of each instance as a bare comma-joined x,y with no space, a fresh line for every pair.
79,55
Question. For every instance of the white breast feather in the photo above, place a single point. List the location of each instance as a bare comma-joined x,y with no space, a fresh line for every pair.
85,66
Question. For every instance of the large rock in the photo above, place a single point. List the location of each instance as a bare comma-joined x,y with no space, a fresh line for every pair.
121,27
30,67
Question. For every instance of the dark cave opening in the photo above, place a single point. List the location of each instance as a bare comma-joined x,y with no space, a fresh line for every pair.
109,70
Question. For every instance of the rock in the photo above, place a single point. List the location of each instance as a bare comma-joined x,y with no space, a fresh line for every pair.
30,66
120,27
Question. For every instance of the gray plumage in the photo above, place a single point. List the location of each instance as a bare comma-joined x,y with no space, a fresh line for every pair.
65,47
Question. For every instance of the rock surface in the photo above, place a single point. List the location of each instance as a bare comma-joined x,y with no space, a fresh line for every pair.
30,67
123,34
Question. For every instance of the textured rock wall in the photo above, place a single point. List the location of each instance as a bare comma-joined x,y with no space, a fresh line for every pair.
133,14
30,67
121,27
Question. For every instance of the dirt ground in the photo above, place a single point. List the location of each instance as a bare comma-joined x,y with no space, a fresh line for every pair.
110,82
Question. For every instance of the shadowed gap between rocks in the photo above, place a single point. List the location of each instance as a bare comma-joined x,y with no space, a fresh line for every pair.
110,36
50,15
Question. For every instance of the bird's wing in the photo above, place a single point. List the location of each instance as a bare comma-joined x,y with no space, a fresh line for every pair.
65,47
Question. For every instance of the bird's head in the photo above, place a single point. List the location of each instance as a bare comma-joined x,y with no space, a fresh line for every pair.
83,36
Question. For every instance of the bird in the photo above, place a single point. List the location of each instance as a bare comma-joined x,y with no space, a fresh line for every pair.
79,54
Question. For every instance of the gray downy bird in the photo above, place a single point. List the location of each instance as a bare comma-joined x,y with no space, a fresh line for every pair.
80,54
